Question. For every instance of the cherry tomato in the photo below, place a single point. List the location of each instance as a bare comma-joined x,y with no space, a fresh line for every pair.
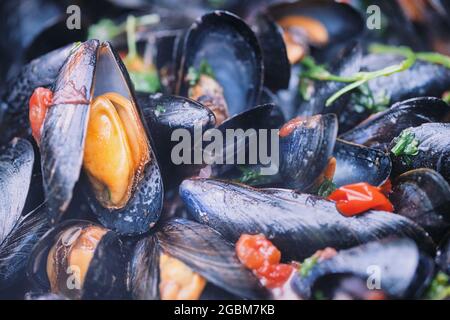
255,250
358,198
40,100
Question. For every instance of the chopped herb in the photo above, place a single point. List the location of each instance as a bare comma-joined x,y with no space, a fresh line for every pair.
406,144
439,288
251,176
193,75
364,100
326,188
159,110
306,87
147,81
307,265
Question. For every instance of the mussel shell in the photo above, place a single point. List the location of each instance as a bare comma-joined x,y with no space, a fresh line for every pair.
443,254
41,72
202,249
65,126
16,165
165,114
277,69
16,248
434,152
342,22
423,79
298,224
356,163
423,196
379,130
231,48
305,152
105,277
405,271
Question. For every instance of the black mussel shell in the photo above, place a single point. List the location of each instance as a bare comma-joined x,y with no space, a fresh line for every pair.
379,130
342,22
41,72
16,165
443,254
423,79
63,132
356,163
62,157
423,196
231,48
277,69
106,275
396,266
298,224
306,149
166,114
202,249
433,150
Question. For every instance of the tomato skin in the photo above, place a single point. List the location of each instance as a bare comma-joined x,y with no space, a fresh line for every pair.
40,100
263,258
357,198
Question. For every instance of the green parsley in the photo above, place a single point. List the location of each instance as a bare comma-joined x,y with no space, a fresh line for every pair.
251,176
159,110
406,144
307,265
193,75
364,100
439,288
326,188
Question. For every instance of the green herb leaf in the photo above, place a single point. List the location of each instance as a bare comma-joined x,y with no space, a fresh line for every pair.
251,176
147,81
159,110
307,265
193,75
406,144
326,188
104,30
364,100
439,288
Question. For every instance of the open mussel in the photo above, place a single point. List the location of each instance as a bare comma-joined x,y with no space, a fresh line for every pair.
94,122
221,65
356,163
79,260
187,260
425,146
395,266
298,224
378,130
423,196
325,26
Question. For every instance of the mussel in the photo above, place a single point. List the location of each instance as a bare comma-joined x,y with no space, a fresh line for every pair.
187,260
423,196
378,130
425,146
79,260
221,65
298,224
356,163
94,122
395,266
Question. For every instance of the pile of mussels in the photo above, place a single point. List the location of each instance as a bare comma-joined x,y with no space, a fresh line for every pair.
92,205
